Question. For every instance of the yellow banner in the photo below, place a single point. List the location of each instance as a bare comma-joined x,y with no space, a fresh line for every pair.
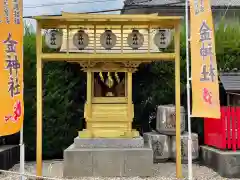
11,66
205,87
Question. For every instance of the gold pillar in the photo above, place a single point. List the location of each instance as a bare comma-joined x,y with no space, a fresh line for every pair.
129,97
89,95
39,100
177,102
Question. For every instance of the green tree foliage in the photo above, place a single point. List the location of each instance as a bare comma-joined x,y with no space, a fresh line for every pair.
64,92
228,45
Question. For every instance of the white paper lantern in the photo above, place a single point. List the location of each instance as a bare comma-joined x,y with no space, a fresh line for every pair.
135,39
108,39
162,38
81,39
53,39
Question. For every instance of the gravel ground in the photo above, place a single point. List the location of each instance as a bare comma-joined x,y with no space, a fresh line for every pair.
162,171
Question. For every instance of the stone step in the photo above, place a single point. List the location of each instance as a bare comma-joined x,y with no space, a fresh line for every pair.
108,142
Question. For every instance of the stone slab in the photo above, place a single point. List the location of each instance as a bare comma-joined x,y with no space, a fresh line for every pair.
77,162
108,142
226,163
138,162
107,162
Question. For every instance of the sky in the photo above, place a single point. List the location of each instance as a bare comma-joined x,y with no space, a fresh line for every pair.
30,9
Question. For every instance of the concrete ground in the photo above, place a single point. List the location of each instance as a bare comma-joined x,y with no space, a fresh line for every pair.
162,171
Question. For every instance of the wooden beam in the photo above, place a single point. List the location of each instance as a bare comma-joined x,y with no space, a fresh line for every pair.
103,57
50,24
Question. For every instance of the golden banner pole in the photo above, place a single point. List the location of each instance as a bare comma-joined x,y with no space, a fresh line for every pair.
177,102
39,100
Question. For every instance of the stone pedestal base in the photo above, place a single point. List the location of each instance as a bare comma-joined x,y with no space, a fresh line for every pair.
108,158
226,163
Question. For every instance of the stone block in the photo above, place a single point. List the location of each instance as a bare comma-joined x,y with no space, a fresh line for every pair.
226,163
138,162
166,119
184,147
107,162
77,162
160,145
108,142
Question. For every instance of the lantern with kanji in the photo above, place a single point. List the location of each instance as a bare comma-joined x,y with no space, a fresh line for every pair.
53,39
108,39
81,39
162,38
135,39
